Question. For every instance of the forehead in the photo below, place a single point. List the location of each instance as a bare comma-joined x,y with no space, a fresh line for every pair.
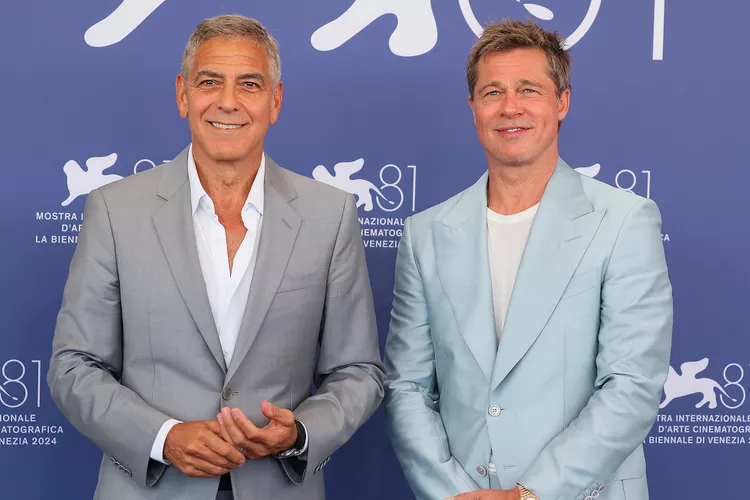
514,65
231,53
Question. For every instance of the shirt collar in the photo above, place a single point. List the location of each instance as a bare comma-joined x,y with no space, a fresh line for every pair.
255,197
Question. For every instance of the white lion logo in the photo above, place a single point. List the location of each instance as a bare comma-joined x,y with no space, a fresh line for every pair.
416,32
81,182
678,386
342,179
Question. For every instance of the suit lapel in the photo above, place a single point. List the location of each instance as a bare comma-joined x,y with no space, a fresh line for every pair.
562,231
174,228
460,238
280,227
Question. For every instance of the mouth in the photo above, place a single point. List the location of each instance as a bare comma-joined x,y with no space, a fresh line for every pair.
226,126
511,131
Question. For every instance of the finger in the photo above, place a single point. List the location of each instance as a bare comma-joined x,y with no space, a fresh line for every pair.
202,468
223,432
237,437
212,449
249,449
277,437
248,429
213,426
192,471
273,412
255,451
224,429
226,450
208,455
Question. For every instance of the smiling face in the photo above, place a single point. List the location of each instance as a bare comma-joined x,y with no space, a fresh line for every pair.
230,100
516,108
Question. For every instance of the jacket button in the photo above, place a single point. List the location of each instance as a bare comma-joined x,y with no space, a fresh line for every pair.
494,410
481,470
227,394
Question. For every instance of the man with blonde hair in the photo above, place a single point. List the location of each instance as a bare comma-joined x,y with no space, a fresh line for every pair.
532,313
206,295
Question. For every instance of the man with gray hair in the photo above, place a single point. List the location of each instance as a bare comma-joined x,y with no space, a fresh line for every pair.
532,312
207,295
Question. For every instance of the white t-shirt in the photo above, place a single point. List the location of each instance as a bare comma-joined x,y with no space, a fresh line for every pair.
506,240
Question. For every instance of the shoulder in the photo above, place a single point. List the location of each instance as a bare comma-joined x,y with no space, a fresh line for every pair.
133,190
459,205
314,198
617,203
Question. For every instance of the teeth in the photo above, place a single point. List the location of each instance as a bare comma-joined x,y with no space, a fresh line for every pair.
225,126
513,129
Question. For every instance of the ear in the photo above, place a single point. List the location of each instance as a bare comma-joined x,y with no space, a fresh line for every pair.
471,106
563,105
181,93
278,96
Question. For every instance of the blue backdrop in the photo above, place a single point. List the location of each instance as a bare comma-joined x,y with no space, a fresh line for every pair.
660,106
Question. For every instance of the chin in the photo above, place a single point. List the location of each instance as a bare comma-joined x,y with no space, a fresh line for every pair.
228,155
513,160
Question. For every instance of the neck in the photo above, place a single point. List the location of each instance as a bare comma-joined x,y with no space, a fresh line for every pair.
513,189
227,183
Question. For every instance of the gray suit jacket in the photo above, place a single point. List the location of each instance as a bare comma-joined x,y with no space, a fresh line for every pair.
136,344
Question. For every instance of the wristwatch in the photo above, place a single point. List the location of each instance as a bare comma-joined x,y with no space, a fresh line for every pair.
297,448
526,494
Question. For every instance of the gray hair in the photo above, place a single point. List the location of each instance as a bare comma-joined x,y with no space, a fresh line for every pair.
236,27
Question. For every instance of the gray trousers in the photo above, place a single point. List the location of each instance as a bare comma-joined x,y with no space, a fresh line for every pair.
224,495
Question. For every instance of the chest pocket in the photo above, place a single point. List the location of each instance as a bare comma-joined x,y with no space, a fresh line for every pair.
580,283
291,282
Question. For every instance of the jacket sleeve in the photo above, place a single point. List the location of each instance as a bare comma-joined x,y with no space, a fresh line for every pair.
86,362
632,363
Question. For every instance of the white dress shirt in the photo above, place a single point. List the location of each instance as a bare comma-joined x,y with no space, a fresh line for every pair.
227,291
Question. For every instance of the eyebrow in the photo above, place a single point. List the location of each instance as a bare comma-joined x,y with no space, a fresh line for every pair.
253,76
532,83
523,81
207,73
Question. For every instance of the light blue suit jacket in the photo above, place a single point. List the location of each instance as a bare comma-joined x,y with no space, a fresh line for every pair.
581,363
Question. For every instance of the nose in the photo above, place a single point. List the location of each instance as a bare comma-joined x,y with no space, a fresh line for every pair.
510,106
227,100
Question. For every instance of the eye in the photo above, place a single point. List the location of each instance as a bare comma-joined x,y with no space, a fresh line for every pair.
528,91
251,85
208,83
492,93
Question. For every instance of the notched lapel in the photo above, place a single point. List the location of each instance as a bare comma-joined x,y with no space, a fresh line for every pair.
278,234
174,228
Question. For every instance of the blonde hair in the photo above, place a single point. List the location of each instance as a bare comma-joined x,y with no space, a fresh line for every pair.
509,35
